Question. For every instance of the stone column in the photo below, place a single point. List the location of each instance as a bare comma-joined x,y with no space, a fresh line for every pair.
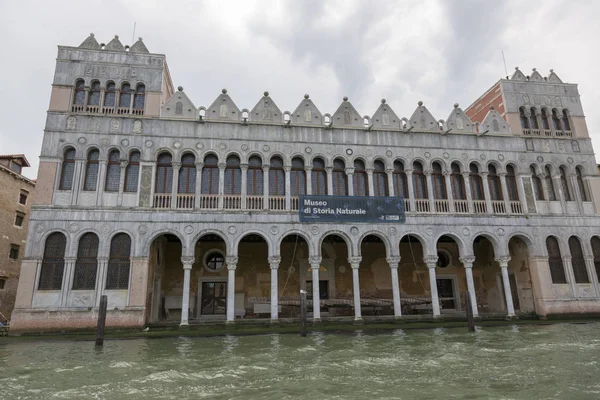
370,182
131,98
468,264
100,279
101,103
329,171
117,99
350,178
122,172
589,263
467,180
411,190
430,192
505,195
198,191
390,181
67,280
431,262
274,265
288,187
308,172
101,182
174,188
486,192
315,264
575,190
185,301
244,188
222,167
393,263
449,193
569,274
503,261
266,187
355,264
561,196
545,188
231,266
521,192
86,98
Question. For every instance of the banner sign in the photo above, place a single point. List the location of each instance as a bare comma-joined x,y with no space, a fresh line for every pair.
351,209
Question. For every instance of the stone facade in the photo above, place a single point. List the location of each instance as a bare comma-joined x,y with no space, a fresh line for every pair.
205,202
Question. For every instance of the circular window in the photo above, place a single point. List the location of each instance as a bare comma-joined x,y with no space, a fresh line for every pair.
214,261
443,259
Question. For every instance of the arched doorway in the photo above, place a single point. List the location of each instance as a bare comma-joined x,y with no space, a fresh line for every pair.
450,275
292,275
520,276
335,278
253,278
209,278
167,278
415,287
376,292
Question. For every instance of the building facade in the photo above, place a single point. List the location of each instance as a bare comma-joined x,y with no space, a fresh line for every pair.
180,213
15,203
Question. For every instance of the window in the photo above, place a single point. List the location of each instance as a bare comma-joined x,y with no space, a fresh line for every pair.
494,183
68,169
581,185
439,183
564,184
319,177
179,108
556,120
380,183
537,184
595,242
23,197
254,185
86,266
91,170
214,261
476,182
511,183
113,172
164,173
13,253
16,167
524,120
117,276
187,174
419,182
210,175
125,95
400,180
297,177
276,177
557,270
533,119
94,99
444,259
79,97
549,184
360,178
340,180
545,123
233,176
578,261
458,183
19,219
53,263
109,95
132,172
2,284
565,120
140,97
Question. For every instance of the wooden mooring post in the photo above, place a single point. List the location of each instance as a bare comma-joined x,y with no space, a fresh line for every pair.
302,312
470,322
101,321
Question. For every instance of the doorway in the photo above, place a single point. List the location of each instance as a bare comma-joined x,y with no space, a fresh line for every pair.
447,292
213,298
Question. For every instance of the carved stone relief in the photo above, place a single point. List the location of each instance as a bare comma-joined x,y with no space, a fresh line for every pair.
71,123
145,186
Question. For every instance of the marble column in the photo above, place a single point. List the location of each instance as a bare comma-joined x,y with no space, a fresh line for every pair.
449,192
222,167
266,187
67,281
315,265
101,181
467,180
393,263
370,182
274,265
308,173
198,191
589,263
244,186
231,262
561,195
288,187
486,192
568,265
329,171
411,190
521,192
503,261
350,178
185,300
100,280
431,262
430,192
355,264
577,196
390,182
122,172
468,264
175,187
505,195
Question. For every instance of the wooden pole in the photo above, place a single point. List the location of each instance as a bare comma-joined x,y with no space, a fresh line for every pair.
101,320
470,322
303,313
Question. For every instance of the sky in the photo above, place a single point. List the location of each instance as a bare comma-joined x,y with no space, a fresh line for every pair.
439,52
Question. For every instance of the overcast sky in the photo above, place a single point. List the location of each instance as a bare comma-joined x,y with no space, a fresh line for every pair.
440,52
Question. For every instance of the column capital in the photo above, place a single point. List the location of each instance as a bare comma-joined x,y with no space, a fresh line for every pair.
231,262
102,259
70,259
329,169
446,173
393,261
466,174
287,168
408,172
176,165
431,261
314,261
369,170
244,167
266,167
187,262
556,176
199,164
222,165
389,170
354,262
427,172
350,170
501,174
503,261
274,262
484,174
308,168
123,163
467,261
566,258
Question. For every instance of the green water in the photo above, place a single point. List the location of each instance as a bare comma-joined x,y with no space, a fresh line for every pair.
514,362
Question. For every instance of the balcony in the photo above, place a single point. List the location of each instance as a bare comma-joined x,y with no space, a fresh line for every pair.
106,110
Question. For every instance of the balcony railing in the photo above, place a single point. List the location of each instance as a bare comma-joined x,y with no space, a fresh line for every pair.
186,201
162,200
479,207
516,207
294,203
498,207
461,206
277,203
547,132
442,206
232,202
209,201
407,205
107,110
422,205
254,202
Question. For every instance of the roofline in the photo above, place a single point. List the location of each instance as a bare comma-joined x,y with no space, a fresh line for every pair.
19,176
13,156
111,51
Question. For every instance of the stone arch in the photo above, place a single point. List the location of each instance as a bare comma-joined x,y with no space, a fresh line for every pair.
256,232
350,245
323,157
165,231
500,249
183,152
564,247
232,153
300,156
440,161
41,243
194,240
102,248
279,154
385,162
460,163
499,167
480,167
161,150
112,234
253,153
462,247
386,242
422,239
298,232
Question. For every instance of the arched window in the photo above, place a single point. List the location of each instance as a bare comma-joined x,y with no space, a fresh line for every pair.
319,177
565,120
113,172
533,118
53,263
94,99
439,182
210,175
578,261
179,108
400,180
164,173
511,183
187,174
556,120
233,175
276,177
538,190
255,177
564,184
340,180
86,266
297,177
581,185
68,168
109,94
360,178
117,276
125,95
557,270
132,172
79,97
476,182
458,183
91,170
549,184
419,183
524,120
140,97
545,122
494,183
595,242
380,179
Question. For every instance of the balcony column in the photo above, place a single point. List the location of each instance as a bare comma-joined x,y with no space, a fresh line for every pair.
222,167
231,262
355,263
589,263
174,188
329,171
288,187
393,263
568,264
185,300
411,189
123,170
101,182
86,98
468,264
315,265
575,190
467,180
505,195
198,191
370,182
350,179
545,188
244,188
430,192
503,261
449,194
100,280
101,102
132,96
431,262
266,187
67,280
308,174
274,265
117,99
561,195
390,181
486,192
521,192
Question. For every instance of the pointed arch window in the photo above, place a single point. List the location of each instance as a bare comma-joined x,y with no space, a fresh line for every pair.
255,178
538,190
187,174
578,261
533,118
140,97
545,122
340,180
439,182
511,183
359,180
125,95
132,172
458,183
210,175
164,173
549,184
319,177
400,180
276,177
79,97
565,120
113,172
67,170
581,185
555,261
297,177
233,176
494,183
94,99
556,120
380,179
117,275
110,94
565,185
53,263
476,182
595,242
419,183
523,117
86,266
91,170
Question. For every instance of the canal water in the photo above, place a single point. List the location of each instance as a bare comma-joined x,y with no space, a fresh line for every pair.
559,361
